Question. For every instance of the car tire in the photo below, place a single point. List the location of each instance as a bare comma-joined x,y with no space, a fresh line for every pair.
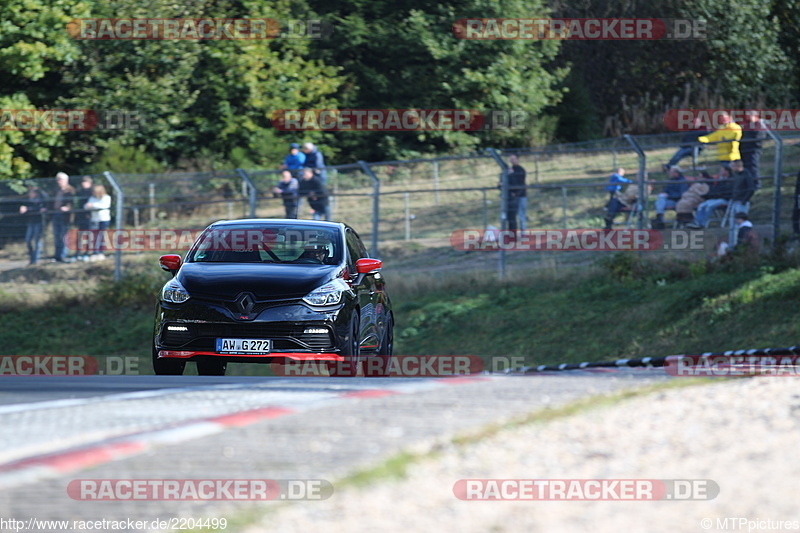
167,367
351,364
211,366
380,365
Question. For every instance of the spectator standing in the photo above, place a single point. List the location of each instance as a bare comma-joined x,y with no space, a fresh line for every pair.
671,195
743,186
755,131
287,190
294,160
63,198
516,187
83,218
727,137
33,210
99,206
316,161
314,191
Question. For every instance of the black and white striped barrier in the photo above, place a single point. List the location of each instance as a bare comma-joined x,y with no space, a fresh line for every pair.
734,356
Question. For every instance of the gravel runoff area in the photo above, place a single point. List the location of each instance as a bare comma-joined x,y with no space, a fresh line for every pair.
743,434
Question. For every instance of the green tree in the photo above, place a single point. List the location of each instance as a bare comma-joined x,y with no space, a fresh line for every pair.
34,50
405,55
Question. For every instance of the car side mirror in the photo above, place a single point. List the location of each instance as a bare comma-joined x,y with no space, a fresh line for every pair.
170,263
368,266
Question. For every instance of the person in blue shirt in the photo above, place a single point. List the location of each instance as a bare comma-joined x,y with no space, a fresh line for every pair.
669,198
617,177
295,160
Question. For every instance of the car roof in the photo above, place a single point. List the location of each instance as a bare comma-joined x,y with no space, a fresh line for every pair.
280,221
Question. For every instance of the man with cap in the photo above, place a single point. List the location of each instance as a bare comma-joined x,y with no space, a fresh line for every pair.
294,160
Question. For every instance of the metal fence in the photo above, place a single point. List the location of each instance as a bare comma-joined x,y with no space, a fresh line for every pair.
425,200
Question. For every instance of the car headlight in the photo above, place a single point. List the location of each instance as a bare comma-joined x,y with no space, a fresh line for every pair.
173,292
328,294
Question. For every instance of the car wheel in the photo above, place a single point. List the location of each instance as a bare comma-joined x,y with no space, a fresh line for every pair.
163,366
211,366
381,365
351,364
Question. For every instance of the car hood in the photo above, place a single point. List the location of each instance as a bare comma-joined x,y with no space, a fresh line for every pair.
265,281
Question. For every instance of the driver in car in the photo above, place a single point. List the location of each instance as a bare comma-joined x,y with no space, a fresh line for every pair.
315,250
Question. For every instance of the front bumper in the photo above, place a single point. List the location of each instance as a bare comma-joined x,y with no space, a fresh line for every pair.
297,331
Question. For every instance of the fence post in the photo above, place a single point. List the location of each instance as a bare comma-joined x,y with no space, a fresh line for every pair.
564,206
503,208
408,216
151,189
614,163
120,217
332,199
436,181
778,184
485,211
376,206
536,167
251,190
640,197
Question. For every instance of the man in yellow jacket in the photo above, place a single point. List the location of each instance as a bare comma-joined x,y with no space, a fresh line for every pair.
727,137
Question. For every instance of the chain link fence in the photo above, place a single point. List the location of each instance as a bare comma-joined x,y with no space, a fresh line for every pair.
425,200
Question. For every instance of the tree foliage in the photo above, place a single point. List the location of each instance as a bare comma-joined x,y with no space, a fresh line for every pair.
208,104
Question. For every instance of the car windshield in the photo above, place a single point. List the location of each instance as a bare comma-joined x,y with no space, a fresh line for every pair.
268,244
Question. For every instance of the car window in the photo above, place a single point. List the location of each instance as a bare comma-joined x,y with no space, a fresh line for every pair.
268,244
353,251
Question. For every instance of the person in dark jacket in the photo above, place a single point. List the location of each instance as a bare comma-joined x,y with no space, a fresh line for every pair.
746,237
743,186
63,198
686,148
287,190
83,218
720,193
671,195
33,210
316,161
314,191
753,135
517,189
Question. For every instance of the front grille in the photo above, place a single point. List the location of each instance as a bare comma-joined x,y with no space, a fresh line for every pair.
285,337
259,306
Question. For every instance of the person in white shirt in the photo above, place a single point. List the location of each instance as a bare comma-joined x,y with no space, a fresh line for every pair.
99,205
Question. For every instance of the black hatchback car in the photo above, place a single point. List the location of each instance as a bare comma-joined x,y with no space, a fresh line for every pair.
270,291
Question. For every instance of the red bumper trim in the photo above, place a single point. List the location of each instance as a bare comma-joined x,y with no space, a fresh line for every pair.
185,354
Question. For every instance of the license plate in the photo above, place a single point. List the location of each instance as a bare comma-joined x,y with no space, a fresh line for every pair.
243,346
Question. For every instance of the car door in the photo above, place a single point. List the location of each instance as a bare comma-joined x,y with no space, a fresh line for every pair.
366,292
